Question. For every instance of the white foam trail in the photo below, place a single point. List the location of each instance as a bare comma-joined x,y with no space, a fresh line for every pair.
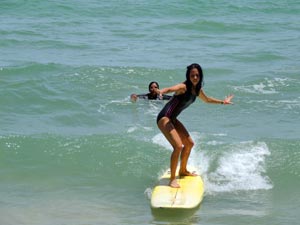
240,167
243,168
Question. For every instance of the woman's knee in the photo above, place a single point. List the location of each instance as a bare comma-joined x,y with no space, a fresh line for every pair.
177,147
189,143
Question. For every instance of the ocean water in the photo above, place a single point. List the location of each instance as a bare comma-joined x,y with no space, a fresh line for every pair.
75,150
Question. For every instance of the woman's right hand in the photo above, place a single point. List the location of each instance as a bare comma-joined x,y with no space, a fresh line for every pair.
158,92
133,97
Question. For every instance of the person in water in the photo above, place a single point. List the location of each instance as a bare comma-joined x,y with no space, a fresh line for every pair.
152,95
184,95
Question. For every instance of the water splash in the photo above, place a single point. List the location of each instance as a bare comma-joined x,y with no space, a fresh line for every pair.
238,167
241,168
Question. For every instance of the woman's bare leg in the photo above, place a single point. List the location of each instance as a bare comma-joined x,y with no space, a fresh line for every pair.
167,128
188,145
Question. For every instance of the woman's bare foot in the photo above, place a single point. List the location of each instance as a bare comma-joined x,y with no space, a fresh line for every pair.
187,173
174,184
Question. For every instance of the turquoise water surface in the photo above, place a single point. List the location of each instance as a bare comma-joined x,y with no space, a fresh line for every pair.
75,150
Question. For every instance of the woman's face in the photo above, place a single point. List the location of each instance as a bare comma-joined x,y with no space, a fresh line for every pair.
194,76
153,87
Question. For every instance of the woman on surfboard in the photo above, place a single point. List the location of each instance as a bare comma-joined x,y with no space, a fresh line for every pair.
152,95
174,131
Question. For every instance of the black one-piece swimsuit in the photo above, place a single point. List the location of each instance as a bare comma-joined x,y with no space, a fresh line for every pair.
176,105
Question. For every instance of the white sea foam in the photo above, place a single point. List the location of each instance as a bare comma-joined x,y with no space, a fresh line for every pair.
240,167
138,128
291,104
260,88
132,129
161,140
267,86
154,108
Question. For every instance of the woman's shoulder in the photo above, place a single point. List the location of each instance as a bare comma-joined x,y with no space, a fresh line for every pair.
181,88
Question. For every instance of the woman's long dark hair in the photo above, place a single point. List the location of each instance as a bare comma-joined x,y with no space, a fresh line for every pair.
188,82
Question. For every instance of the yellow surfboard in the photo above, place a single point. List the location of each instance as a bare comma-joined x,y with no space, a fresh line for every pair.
188,196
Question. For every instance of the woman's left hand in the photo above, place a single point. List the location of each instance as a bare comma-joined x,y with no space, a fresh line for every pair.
227,100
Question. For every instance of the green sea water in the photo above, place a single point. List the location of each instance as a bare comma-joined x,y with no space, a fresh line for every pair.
75,150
